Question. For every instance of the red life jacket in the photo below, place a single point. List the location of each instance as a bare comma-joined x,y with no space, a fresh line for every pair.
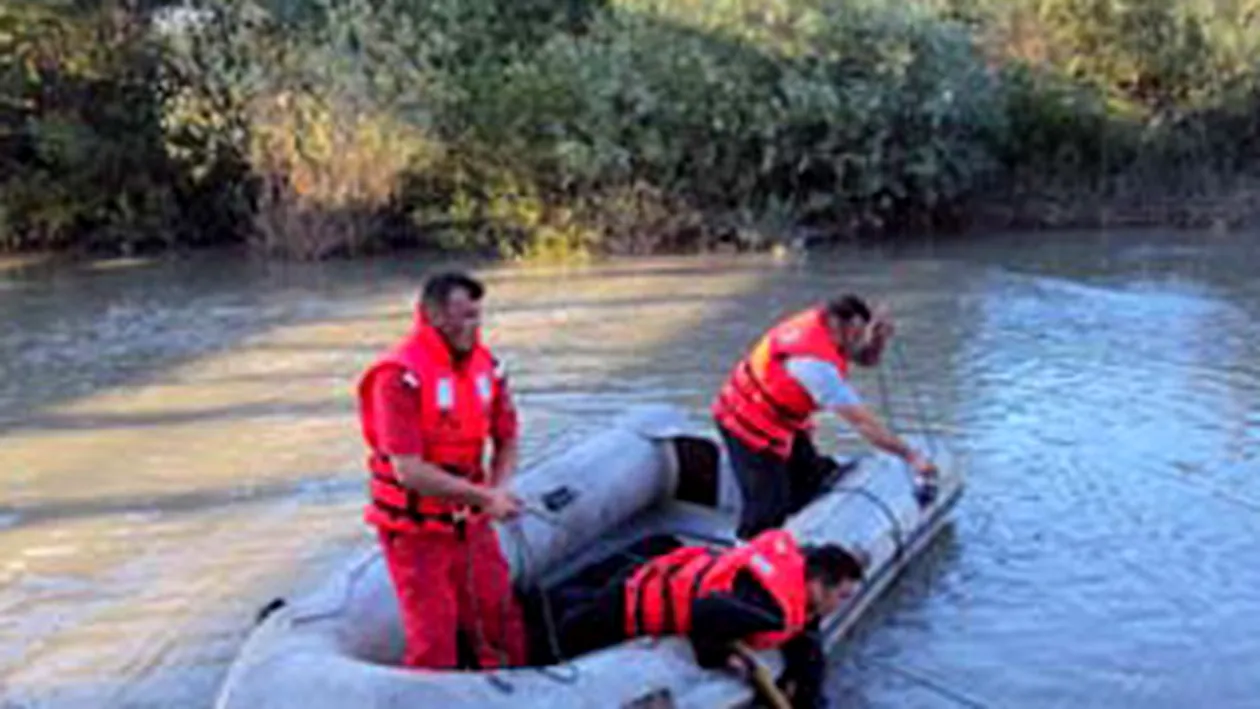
761,404
454,423
660,593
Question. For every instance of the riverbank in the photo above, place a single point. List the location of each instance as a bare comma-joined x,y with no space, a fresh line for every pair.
1236,209
1016,217
554,130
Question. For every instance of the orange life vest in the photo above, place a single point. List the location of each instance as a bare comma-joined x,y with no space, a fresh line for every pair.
660,593
455,420
761,404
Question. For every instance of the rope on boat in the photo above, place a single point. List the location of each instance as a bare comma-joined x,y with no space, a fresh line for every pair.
500,683
925,491
901,362
553,638
347,591
495,680
898,534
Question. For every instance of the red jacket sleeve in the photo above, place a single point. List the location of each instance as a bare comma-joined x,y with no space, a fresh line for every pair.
397,411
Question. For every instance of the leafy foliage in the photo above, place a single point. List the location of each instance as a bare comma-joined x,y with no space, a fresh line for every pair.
549,128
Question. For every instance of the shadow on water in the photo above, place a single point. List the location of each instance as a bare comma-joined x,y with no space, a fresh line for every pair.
308,488
174,417
77,329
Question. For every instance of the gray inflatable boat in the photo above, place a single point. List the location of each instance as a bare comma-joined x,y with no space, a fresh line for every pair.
649,476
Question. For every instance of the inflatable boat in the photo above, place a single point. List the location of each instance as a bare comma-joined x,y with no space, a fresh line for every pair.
648,477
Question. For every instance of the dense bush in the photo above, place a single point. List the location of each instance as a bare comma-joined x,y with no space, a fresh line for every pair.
81,154
312,128
839,115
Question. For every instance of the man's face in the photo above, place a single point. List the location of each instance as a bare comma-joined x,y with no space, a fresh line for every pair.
458,321
825,600
852,336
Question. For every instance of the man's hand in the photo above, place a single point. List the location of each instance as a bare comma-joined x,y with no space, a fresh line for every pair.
882,327
750,670
924,467
925,479
501,504
878,331
866,423
738,664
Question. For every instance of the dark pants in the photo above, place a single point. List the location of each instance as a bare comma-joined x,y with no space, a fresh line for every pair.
589,609
772,487
593,620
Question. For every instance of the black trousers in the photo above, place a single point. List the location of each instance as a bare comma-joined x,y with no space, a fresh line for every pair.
589,609
774,488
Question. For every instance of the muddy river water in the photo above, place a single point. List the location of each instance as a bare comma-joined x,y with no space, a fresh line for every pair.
178,445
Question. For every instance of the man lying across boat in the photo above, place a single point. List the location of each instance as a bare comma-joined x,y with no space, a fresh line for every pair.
764,410
768,593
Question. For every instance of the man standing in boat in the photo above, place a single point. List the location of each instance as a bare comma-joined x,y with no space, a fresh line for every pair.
768,593
429,408
764,410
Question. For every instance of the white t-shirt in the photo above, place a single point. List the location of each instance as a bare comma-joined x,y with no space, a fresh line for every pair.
823,381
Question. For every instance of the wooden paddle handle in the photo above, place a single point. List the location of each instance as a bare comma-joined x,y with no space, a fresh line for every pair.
762,680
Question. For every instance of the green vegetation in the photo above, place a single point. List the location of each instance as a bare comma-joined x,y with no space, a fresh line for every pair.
552,128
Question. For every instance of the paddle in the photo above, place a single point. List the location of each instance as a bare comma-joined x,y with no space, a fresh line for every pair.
761,679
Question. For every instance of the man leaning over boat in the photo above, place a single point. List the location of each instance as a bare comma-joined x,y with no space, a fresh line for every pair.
429,408
764,410
768,593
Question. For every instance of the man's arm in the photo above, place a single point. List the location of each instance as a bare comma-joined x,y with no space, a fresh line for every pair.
830,391
504,431
719,620
396,410
805,668
427,479
865,422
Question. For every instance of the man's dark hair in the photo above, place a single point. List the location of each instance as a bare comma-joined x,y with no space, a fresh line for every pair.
848,308
831,564
438,289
